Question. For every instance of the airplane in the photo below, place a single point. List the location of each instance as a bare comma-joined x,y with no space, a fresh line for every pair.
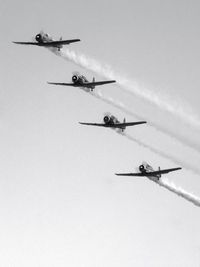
147,171
43,39
81,81
111,121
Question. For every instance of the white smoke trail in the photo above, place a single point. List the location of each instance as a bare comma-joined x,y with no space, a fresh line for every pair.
95,66
182,163
131,87
120,106
179,191
161,101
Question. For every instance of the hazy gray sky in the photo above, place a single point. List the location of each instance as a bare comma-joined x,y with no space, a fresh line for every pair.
60,202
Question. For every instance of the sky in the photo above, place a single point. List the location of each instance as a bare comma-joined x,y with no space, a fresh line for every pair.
60,202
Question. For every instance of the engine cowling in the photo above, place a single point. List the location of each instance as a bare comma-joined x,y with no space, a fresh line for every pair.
74,78
142,168
106,119
38,38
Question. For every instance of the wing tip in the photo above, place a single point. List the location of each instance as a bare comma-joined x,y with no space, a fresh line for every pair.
84,123
177,168
53,83
142,122
74,40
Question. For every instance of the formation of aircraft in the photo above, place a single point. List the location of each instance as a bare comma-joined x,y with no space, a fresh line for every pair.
145,170
81,81
111,121
43,39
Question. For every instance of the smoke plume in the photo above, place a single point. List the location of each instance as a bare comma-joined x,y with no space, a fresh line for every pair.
163,102
179,191
159,152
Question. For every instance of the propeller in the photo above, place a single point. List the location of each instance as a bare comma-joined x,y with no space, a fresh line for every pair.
75,73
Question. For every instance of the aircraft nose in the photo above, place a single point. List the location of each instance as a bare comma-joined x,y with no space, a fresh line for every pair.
141,168
74,78
106,119
38,37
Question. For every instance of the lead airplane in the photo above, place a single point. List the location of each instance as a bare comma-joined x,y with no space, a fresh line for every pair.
111,121
43,39
147,171
81,81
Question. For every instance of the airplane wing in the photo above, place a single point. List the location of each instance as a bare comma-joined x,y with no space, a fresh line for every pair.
61,42
95,124
90,84
162,171
150,173
27,43
51,43
125,124
65,84
115,125
130,174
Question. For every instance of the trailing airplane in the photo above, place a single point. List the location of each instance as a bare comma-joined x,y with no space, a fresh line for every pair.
147,171
111,121
81,81
43,39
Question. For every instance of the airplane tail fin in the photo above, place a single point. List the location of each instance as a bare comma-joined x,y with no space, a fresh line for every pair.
93,80
61,38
